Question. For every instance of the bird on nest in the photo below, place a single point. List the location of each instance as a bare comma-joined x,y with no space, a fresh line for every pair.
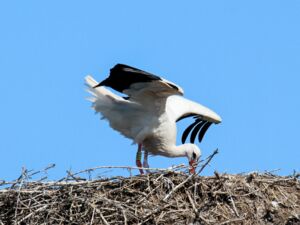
149,112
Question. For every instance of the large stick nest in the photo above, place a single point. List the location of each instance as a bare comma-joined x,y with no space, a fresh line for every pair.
157,198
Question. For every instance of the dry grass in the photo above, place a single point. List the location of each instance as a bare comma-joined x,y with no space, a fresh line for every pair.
165,197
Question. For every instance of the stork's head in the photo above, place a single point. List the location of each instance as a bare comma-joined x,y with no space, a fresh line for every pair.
193,154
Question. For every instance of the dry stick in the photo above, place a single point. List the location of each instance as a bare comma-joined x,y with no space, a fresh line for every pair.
234,207
93,215
232,202
103,219
158,209
232,221
208,160
181,166
70,174
32,213
162,214
98,211
125,217
190,177
192,202
151,192
50,166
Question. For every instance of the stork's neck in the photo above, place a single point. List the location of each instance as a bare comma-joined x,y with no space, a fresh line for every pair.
177,151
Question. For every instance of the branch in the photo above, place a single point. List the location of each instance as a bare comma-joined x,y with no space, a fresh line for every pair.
192,175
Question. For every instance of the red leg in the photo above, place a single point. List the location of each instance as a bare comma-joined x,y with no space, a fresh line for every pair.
145,163
138,158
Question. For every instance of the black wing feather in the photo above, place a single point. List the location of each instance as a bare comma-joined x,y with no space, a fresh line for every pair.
188,130
203,131
121,77
199,125
196,130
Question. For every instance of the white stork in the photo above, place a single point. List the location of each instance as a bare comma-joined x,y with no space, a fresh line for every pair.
149,112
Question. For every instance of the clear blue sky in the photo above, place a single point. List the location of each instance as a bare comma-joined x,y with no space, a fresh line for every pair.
239,58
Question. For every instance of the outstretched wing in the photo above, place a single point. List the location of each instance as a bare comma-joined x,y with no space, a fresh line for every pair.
137,83
179,108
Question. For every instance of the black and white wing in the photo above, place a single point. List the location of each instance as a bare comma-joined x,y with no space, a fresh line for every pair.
179,108
137,83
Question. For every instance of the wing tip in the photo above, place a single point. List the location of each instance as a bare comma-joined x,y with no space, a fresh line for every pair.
90,81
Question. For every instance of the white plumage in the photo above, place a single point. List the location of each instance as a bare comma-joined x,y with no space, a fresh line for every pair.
149,113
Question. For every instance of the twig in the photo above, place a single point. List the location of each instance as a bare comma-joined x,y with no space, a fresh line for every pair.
192,203
208,160
93,215
102,217
181,166
190,176
98,211
156,210
125,217
34,212
232,221
234,207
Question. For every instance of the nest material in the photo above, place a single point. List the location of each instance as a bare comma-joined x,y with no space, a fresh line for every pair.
158,198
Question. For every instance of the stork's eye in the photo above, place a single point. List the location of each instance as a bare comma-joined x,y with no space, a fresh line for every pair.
194,156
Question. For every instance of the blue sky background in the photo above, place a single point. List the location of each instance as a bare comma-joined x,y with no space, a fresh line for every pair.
239,58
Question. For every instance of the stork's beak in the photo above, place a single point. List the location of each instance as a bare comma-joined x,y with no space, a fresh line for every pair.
192,166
